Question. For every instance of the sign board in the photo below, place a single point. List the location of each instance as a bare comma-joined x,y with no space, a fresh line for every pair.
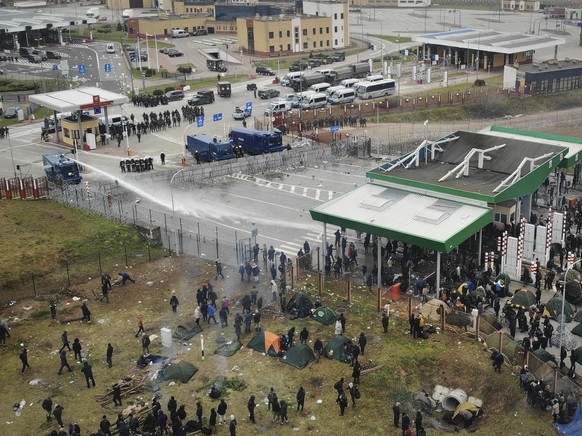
108,68
97,110
81,69
334,129
217,117
200,121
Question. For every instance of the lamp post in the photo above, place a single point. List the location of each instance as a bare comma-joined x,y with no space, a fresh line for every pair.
12,154
171,184
185,140
156,49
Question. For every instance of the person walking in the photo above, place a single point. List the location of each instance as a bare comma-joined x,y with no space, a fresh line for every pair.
339,386
232,426
65,341
385,321
145,343
88,371
117,394
283,412
318,349
58,414
212,421
300,398
362,341
47,405
222,408
64,363
105,426
199,412
86,313
24,359
110,355
342,401
163,158
77,349
497,361
418,422
140,325
251,407
218,266
174,302
211,314
396,411
353,389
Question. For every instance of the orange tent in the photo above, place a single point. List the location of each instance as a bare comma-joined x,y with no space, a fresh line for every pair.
266,342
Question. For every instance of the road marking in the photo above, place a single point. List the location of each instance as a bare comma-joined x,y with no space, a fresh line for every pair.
317,193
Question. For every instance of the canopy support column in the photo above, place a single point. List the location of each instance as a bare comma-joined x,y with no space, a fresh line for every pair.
480,249
438,275
106,122
526,207
379,248
323,251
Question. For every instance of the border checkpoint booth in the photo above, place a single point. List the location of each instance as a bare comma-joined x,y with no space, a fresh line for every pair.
81,129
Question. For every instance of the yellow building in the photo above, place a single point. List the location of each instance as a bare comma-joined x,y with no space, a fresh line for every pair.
129,4
162,26
270,36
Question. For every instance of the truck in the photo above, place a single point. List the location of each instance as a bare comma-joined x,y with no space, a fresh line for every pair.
336,75
93,13
61,169
360,70
209,148
127,14
257,141
223,89
303,83
216,65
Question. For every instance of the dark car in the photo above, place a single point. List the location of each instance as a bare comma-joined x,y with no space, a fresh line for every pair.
268,93
314,63
174,53
199,32
265,71
3,57
175,95
164,50
298,66
35,59
41,53
251,86
202,97
133,57
53,55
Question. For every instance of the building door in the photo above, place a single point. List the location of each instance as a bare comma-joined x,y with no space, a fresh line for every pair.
138,4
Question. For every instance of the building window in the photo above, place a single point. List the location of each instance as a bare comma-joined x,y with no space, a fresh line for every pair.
280,34
321,30
335,16
335,42
327,43
304,45
304,32
288,34
327,30
271,49
335,29
342,16
66,132
314,30
314,44
321,43
288,47
271,35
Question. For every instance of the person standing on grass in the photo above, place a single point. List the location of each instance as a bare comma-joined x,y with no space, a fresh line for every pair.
396,411
362,341
86,313
110,355
58,414
405,423
24,359
88,371
385,321
174,302
222,408
64,363
283,412
77,349
105,426
47,405
300,398
251,407
145,343
342,401
212,421
232,426
117,394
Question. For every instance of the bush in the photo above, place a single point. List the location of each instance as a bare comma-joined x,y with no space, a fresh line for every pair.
159,92
169,88
149,72
479,82
104,30
119,27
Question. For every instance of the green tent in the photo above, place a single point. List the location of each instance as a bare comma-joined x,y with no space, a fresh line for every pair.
300,305
523,299
578,353
324,315
554,309
229,349
266,342
179,370
187,330
299,356
544,356
339,348
577,330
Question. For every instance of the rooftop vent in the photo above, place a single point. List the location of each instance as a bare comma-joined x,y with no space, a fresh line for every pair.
376,202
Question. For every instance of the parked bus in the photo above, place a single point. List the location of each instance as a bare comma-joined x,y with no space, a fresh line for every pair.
382,88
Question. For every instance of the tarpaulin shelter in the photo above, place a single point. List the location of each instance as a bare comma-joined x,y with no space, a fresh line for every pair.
460,319
578,353
228,349
578,316
337,349
574,427
432,309
301,303
554,309
523,299
503,342
544,356
298,356
187,330
492,320
179,370
266,342
466,406
324,315
577,330
573,293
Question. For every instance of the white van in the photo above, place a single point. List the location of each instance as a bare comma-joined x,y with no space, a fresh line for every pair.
179,33
320,87
329,91
314,101
110,47
374,78
301,96
349,83
324,71
277,107
115,120
93,13
342,96
286,80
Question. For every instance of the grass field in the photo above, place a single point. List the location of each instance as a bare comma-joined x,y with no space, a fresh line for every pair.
450,359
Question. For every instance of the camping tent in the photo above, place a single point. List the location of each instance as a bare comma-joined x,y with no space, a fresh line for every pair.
492,320
324,315
460,319
573,293
432,309
186,330
337,349
577,330
554,309
574,427
509,346
266,342
578,316
466,406
523,299
578,353
545,356
301,303
298,356
228,349
179,370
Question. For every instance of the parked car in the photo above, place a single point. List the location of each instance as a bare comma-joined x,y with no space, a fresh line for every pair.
175,95
3,57
314,63
251,86
202,97
129,48
265,71
199,32
40,53
10,112
173,53
35,59
133,57
268,93
240,114
164,50
53,55
298,66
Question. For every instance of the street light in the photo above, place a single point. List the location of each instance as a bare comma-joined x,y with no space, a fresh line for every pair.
454,12
171,189
155,48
